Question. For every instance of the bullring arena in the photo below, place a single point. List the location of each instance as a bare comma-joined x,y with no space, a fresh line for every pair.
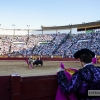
8,67
37,83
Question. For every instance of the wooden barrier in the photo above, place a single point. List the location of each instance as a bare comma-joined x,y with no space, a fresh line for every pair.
57,56
59,59
5,88
39,87
13,58
15,87
46,59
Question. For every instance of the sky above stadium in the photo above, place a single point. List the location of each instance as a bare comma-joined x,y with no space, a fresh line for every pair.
47,12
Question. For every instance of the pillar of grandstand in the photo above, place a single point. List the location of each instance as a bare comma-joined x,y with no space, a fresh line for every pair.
14,29
28,29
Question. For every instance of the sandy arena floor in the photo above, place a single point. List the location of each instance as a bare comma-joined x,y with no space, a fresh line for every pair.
20,67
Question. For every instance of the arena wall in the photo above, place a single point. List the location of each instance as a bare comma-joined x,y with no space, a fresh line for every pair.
5,88
15,87
46,58
59,59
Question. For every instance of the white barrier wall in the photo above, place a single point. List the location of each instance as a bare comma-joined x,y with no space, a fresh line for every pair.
11,32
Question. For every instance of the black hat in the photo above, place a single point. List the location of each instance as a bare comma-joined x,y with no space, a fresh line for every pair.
83,51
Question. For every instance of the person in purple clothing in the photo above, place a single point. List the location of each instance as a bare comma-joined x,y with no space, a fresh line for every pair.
87,78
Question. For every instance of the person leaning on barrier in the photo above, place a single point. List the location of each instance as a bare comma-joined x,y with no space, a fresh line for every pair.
87,78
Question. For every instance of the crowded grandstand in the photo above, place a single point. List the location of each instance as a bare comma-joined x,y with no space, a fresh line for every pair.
54,44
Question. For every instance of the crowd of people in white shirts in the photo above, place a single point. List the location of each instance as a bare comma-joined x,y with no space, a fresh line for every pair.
74,42
17,44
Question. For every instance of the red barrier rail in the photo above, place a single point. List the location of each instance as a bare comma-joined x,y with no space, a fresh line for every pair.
15,87
39,87
46,59
13,58
5,87
59,59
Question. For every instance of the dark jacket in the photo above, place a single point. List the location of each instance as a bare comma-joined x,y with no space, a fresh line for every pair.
87,78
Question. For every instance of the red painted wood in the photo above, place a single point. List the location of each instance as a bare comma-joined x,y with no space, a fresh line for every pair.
16,97
5,88
48,59
13,58
15,79
60,59
39,87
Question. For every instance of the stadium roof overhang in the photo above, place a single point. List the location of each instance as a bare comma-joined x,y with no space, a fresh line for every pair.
78,26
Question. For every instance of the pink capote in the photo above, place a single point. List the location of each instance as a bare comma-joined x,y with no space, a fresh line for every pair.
60,95
26,61
94,60
29,65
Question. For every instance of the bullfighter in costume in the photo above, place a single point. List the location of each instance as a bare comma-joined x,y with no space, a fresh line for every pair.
30,61
87,78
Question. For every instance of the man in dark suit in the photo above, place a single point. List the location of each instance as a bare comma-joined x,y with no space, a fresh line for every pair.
87,78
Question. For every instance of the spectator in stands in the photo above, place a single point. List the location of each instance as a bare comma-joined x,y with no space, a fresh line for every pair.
66,49
87,78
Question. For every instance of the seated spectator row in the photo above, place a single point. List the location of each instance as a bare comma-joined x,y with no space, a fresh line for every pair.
61,43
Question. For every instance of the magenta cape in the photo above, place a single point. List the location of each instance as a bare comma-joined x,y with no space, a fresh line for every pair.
60,95
94,60
29,65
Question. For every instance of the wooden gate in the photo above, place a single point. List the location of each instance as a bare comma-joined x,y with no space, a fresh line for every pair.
34,87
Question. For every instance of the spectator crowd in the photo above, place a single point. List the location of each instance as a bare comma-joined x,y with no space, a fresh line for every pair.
60,44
